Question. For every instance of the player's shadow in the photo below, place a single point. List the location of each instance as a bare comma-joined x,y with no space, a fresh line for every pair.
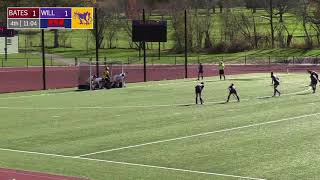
212,81
186,105
231,102
265,97
190,105
81,90
222,103
304,94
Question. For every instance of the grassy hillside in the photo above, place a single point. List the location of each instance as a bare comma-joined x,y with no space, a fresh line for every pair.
80,43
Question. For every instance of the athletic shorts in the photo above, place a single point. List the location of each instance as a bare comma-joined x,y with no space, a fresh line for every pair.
200,72
314,82
221,72
198,90
233,91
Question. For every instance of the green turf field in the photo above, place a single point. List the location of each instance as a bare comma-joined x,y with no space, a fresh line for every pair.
154,131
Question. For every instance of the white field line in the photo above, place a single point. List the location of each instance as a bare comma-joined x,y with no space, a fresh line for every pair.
52,94
138,106
130,164
38,95
26,96
142,86
109,107
201,134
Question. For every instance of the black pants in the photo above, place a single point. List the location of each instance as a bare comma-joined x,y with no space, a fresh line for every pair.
200,74
221,73
314,86
198,95
275,90
235,94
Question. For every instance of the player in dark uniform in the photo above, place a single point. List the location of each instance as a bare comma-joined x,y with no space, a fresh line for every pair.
200,71
276,83
233,91
199,89
314,80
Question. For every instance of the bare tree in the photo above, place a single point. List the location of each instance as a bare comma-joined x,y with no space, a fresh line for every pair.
114,26
198,24
64,36
251,4
269,10
101,27
106,13
208,24
177,19
246,25
303,12
314,18
229,27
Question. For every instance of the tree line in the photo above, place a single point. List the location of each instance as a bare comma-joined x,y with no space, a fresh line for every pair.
237,21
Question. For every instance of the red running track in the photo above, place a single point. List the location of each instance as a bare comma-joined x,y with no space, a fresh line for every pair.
10,174
30,79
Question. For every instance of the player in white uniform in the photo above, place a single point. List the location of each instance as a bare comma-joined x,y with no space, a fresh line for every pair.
96,82
119,80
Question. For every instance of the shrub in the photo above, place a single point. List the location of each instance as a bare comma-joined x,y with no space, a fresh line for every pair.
238,46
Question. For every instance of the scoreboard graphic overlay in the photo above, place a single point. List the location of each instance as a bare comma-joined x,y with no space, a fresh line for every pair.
50,18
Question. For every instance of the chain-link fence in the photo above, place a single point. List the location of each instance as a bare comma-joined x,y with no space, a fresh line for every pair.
156,60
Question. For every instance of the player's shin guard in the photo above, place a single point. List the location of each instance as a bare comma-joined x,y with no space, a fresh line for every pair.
228,98
201,100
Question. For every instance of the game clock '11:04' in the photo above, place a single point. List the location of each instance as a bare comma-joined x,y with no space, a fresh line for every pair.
50,17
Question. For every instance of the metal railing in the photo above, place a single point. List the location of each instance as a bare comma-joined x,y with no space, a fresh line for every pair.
173,60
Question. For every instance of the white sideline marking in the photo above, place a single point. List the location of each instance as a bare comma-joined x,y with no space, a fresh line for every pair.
146,85
138,106
36,95
111,107
201,134
29,96
130,164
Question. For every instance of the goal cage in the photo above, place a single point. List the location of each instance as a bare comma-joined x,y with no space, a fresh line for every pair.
88,69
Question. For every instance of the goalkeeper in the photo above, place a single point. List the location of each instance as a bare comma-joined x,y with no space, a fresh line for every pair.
106,78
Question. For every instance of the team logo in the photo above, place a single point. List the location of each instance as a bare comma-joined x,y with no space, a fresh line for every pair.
82,18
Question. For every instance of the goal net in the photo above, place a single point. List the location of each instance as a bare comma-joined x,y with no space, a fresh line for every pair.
88,72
